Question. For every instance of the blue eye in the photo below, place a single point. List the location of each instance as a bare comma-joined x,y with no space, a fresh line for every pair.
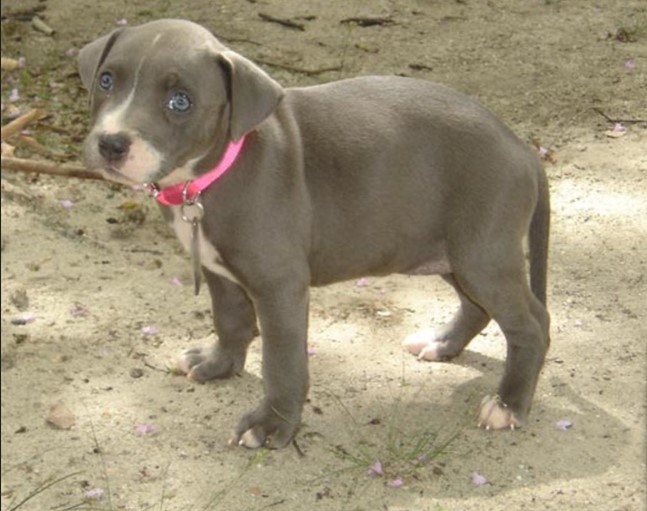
179,102
106,82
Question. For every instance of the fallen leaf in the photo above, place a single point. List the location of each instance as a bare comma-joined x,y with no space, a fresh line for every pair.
544,153
8,150
60,416
8,64
256,491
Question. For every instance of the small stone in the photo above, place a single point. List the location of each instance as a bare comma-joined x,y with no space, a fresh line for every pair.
20,299
60,416
136,372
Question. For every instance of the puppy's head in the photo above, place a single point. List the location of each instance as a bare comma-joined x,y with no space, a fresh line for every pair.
166,97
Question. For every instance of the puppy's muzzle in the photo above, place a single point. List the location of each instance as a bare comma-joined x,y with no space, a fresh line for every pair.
114,147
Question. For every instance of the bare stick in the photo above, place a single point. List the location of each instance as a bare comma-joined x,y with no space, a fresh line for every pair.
624,121
46,167
368,21
17,125
297,69
282,21
38,23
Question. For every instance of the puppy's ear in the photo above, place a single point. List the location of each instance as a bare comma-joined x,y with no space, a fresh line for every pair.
93,54
253,95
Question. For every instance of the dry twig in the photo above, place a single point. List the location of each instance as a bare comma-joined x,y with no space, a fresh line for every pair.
369,21
282,21
18,124
297,69
46,167
615,121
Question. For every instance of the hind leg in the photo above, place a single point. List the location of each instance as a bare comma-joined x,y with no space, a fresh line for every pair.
449,340
501,288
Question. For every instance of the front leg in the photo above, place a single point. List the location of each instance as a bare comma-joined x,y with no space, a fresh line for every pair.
235,323
283,315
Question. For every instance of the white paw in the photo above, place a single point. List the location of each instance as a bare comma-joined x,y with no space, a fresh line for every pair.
182,365
248,439
495,414
430,352
423,344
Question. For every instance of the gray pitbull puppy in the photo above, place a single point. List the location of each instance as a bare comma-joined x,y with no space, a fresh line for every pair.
365,176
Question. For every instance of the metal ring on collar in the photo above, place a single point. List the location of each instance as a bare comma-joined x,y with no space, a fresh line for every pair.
199,210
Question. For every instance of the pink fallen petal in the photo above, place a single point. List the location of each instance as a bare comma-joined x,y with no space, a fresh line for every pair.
619,128
145,429
66,203
376,469
24,318
478,479
96,493
79,310
396,483
630,65
150,330
363,282
312,351
563,425
71,52
176,281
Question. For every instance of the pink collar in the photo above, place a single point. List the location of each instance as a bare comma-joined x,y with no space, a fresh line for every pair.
180,193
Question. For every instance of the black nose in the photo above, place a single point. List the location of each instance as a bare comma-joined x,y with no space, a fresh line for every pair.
114,147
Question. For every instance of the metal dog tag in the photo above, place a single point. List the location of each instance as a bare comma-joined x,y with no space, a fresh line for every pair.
192,212
195,255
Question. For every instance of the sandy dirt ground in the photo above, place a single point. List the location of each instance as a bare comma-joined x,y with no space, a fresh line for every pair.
97,300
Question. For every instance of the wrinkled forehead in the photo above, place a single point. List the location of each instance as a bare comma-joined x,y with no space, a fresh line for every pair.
158,52
168,39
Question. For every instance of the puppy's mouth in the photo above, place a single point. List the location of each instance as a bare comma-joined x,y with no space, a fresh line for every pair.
112,173
159,178
134,163
124,156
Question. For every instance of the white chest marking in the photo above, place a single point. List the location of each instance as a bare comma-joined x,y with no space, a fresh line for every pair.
209,256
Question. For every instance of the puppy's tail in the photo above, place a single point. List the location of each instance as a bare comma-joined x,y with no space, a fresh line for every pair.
538,239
